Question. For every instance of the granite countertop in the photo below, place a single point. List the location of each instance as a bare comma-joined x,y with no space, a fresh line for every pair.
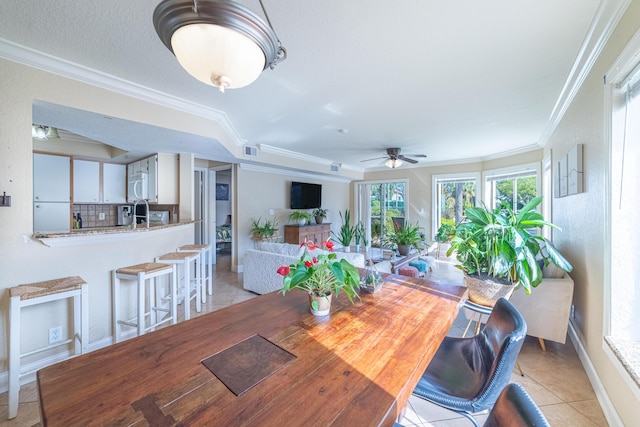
140,228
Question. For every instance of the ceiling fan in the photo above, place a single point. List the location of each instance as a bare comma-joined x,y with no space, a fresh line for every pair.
395,159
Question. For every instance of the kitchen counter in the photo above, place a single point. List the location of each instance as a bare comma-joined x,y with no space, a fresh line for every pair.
117,233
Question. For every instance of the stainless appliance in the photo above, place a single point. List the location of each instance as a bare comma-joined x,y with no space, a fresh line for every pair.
158,217
125,214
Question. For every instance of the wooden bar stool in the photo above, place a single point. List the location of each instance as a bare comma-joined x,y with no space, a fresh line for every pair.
39,293
184,287
141,274
206,266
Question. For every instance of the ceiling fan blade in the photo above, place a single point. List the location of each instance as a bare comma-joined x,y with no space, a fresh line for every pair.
406,159
422,156
375,158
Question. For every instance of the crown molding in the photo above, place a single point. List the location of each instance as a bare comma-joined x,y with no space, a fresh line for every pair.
71,70
305,157
294,173
604,22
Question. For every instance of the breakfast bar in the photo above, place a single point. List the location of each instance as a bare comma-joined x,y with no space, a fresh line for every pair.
266,361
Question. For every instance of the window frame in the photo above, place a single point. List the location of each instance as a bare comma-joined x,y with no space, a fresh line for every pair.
435,195
625,65
494,174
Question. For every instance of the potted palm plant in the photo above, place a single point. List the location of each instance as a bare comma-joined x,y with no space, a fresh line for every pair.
319,214
321,276
405,238
346,231
498,250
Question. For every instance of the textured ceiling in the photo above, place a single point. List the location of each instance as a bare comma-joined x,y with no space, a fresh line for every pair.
453,80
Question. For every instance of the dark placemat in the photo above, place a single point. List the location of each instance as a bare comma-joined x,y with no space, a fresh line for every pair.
245,364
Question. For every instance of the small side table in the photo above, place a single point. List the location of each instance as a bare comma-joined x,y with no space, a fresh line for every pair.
40,293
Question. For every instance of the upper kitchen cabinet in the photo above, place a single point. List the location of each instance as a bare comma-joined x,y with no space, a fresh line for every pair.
51,178
114,184
161,178
139,166
86,181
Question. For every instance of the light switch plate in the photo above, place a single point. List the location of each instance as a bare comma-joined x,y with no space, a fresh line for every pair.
101,216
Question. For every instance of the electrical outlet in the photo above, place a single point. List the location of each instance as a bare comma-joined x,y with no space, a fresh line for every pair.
573,311
55,334
101,216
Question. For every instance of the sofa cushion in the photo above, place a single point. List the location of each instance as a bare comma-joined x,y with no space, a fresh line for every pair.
281,248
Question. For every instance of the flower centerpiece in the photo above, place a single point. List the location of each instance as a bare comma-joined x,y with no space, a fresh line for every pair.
321,275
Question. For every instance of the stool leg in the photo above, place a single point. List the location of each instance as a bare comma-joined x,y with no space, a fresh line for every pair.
174,293
84,318
203,274
77,324
187,290
14,356
116,302
209,267
200,292
141,303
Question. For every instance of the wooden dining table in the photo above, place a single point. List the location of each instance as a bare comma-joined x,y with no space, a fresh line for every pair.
264,362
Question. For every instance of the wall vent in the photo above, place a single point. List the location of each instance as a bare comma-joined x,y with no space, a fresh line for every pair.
335,167
250,151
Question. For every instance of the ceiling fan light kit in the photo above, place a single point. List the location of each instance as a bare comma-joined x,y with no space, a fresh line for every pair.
219,42
395,159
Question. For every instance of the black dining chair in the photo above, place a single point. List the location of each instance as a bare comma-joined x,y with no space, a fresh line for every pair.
466,375
515,408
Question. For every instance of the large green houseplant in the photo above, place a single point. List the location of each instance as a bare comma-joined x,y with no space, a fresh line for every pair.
504,246
405,238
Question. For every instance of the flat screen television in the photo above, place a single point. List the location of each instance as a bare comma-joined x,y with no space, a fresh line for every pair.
305,195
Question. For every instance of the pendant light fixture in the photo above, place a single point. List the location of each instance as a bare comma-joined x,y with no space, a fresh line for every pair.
219,42
43,132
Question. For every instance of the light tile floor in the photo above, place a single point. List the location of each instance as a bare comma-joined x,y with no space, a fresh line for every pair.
555,379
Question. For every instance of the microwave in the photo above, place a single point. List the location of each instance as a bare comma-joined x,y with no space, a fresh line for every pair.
138,187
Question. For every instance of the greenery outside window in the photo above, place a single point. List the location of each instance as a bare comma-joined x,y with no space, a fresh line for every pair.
512,186
380,206
452,194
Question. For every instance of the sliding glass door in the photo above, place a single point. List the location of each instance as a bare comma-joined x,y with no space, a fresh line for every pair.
387,208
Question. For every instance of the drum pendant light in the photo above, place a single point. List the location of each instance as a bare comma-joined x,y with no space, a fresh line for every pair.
219,42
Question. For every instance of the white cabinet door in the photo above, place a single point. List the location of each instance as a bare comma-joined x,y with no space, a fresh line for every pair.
51,217
114,181
86,181
152,164
51,178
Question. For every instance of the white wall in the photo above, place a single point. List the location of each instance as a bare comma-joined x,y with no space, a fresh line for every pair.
24,260
262,190
582,216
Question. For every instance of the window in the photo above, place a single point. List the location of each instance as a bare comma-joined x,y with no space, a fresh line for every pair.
452,194
514,187
381,208
623,288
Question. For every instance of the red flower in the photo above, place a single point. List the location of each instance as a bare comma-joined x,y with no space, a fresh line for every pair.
309,244
284,270
329,245
315,260
308,264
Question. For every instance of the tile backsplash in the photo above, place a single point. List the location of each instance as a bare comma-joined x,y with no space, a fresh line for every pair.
90,215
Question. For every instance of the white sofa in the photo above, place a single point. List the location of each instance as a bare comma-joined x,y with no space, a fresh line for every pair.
260,265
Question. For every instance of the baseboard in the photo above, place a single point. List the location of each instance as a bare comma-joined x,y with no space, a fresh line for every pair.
32,368
608,409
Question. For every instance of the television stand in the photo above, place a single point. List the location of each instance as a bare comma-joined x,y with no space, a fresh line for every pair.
297,234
